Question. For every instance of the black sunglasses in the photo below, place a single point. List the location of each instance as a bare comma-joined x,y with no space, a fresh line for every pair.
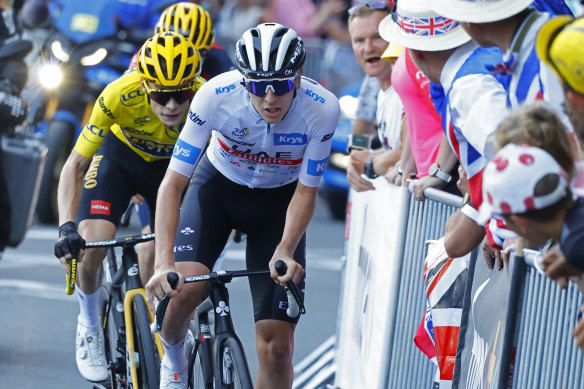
163,96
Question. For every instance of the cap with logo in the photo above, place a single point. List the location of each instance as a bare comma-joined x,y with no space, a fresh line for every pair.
511,177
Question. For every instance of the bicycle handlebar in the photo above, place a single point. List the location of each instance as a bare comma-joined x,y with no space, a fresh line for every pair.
226,276
121,241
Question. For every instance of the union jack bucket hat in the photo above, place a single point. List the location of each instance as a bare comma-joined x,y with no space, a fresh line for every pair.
413,24
479,11
512,180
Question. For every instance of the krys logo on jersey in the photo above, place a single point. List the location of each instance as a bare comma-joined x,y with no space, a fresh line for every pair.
293,139
186,152
315,96
224,89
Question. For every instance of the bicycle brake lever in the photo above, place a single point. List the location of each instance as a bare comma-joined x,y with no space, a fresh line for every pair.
172,278
295,303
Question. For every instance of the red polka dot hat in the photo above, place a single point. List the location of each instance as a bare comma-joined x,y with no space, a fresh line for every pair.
510,179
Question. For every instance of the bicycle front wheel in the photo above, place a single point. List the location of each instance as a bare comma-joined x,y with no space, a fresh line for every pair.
234,370
149,362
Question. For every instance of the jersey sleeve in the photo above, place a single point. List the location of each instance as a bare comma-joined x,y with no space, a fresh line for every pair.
195,133
319,144
478,102
102,118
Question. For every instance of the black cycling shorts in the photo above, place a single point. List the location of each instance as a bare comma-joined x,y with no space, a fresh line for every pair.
113,178
213,206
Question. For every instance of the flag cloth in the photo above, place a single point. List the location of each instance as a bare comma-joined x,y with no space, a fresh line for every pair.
444,284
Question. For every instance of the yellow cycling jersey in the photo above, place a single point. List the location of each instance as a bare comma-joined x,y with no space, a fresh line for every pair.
123,108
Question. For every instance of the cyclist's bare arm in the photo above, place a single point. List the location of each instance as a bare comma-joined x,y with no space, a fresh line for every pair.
298,215
167,217
71,186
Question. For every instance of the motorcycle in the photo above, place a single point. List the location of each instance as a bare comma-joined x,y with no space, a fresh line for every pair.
87,47
21,155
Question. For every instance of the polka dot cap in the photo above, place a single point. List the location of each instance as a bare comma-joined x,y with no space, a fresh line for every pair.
510,179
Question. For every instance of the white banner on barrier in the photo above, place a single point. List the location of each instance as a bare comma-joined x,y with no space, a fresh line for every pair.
374,254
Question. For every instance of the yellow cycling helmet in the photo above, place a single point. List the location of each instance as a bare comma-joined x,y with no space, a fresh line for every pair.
168,59
190,20
560,44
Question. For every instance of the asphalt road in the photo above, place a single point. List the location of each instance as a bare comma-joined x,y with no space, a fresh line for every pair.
38,319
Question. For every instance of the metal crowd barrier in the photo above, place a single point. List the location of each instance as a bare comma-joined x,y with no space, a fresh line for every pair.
409,368
547,356
525,339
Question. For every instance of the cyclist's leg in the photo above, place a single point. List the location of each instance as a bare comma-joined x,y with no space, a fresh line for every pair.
103,201
202,233
274,329
145,250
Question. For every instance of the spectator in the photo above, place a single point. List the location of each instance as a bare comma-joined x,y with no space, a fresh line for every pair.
366,107
424,141
513,30
296,14
368,47
530,190
235,17
467,96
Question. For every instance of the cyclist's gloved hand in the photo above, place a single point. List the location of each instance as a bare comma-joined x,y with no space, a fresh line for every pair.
69,240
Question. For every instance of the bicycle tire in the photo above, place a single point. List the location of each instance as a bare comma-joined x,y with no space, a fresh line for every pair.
241,378
109,334
149,362
199,356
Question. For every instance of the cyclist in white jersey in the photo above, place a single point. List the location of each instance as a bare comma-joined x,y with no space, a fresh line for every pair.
271,132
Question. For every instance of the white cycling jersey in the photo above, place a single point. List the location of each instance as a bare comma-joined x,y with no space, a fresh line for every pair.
248,150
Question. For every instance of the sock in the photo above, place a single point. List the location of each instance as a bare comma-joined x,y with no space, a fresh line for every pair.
88,309
174,355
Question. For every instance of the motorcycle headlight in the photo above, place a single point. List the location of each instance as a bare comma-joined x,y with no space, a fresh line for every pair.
50,75
94,58
339,160
59,52
348,106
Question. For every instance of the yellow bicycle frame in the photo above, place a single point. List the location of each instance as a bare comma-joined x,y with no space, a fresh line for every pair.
130,294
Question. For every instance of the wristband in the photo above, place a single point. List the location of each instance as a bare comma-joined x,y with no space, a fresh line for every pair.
369,171
66,228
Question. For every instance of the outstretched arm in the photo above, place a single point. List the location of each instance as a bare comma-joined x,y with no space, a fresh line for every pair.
167,217
300,211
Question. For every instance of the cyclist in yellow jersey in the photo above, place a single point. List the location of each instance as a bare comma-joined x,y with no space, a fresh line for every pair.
123,150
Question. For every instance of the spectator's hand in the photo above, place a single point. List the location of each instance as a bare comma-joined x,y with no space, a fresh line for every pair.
508,248
393,177
357,161
557,268
137,199
423,183
492,255
462,182
578,332
69,241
